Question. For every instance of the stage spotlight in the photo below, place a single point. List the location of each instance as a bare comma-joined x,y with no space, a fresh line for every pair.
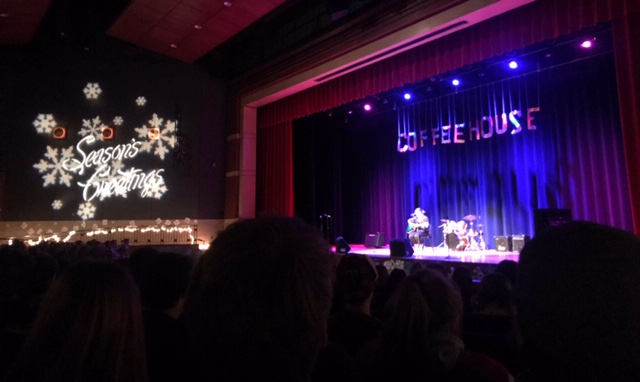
513,65
107,133
407,96
59,132
455,82
367,107
587,44
154,133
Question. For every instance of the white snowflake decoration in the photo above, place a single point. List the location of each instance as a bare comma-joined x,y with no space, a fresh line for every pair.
132,223
83,224
187,220
168,222
105,221
118,120
31,231
165,140
94,227
92,90
158,221
57,204
64,229
392,264
24,225
176,222
140,101
86,211
52,169
92,127
154,189
44,124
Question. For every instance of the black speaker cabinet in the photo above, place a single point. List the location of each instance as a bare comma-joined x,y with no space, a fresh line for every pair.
518,242
502,243
401,248
374,240
342,246
547,218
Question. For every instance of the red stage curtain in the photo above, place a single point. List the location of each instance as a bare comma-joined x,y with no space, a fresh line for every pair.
626,39
274,178
535,22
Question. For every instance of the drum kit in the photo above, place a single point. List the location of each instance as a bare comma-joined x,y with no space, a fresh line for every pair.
462,235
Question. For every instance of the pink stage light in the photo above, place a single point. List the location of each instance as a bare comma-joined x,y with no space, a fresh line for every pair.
586,44
407,96
367,107
455,82
513,65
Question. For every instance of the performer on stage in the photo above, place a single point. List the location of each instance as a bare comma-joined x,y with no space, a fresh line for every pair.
418,226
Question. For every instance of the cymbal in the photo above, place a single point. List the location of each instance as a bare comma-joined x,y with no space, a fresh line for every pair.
470,217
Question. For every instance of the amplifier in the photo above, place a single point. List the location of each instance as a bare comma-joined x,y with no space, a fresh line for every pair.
518,242
374,240
502,243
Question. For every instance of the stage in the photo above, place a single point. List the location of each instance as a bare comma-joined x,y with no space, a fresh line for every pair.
479,263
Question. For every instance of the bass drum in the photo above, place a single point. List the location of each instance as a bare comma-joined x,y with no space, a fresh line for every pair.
449,227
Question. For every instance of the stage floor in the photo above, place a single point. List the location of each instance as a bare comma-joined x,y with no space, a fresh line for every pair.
441,254
480,263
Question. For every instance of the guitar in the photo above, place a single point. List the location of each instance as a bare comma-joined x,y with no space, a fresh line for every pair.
415,227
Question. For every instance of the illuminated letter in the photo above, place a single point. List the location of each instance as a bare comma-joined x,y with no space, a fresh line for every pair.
501,128
402,148
446,134
474,129
530,119
412,141
457,133
435,135
489,133
514,121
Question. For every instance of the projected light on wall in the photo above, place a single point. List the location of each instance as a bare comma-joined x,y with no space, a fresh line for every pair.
95,167
141,101
92,90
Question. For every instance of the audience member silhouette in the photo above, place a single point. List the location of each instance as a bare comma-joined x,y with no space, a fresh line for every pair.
88,328
259,301
163,278
577,301
353,325
420,340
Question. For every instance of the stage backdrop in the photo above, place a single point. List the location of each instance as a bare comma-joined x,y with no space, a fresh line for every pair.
497,151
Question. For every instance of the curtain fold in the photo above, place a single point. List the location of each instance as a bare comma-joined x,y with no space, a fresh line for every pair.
274,178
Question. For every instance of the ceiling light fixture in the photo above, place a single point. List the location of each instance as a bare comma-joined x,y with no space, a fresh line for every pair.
227,4
197,26
174,45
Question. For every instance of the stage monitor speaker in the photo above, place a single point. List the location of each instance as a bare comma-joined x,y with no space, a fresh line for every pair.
342,246
502,243
547,218
518,242
374,240
401,248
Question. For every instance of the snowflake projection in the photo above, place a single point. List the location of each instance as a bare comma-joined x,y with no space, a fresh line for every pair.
105,222
176,222
86,211
75,228
53,169
166,137
187,220
57,204
44,124
24,225
140,101
118,120
92,127
92,90
158,221
132,223
154,189
31,231
83,224
94,227
393,264
64,229
168,222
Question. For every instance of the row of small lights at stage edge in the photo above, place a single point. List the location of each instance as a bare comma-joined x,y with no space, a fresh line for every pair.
456,82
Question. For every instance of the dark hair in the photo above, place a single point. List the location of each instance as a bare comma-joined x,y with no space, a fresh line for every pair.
356,276
261,293
495,288
577,299
88,328
163,277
